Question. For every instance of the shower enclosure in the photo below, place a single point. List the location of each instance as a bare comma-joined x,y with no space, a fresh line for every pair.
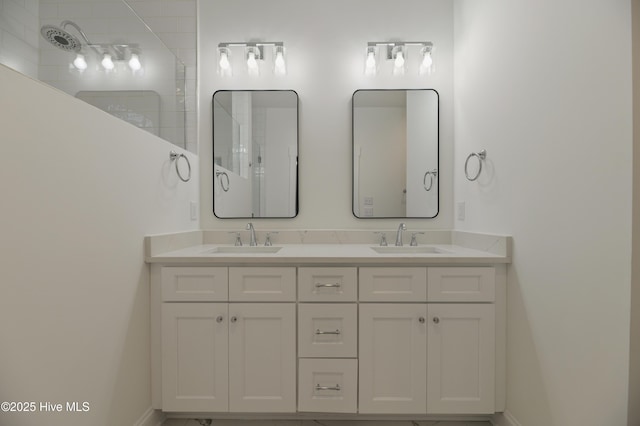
105,53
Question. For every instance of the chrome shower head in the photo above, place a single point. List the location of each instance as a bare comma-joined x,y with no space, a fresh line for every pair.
60,38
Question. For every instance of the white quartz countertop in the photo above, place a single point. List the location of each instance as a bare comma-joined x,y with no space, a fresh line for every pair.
347,254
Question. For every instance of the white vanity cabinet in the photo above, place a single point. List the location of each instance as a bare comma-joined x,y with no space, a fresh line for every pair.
219,355
393,339
435,356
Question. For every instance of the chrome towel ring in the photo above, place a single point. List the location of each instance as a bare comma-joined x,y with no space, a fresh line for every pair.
174,156
432,176
480,156
219,175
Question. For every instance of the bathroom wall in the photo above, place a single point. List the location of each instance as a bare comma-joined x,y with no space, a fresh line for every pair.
19,34
326,45
80,189
545,87
634,353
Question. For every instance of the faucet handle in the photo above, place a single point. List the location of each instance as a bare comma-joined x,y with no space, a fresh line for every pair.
238,242
414,241
267,238
383,238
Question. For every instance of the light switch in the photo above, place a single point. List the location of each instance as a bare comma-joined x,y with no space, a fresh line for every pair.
368,201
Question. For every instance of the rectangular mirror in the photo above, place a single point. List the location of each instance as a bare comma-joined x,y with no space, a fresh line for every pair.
395,153
255,154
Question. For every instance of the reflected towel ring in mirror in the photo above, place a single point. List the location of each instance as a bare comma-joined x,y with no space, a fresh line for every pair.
174,156
481,157
432,175
219,175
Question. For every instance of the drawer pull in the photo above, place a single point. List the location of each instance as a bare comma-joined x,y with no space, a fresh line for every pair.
328,285
319,332
324,388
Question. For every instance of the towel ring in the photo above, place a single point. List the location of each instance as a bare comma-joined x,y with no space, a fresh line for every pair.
480,156
432,175
219,176
174,156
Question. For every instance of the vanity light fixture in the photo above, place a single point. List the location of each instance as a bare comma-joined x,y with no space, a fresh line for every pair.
279,63
134,62
107,62
113,54
254,53
397,51
80,63
224,64
370,64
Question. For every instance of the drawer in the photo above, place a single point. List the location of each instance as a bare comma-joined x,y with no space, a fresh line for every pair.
327,330
194,284
327,284
461,284
328,385
262,284
393,284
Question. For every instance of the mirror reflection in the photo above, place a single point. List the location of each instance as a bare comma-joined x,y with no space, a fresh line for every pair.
108,56
255,153
395,153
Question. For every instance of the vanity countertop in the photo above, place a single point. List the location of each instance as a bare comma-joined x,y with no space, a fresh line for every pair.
346,254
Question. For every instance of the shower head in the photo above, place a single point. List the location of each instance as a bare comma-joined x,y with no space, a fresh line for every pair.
60,38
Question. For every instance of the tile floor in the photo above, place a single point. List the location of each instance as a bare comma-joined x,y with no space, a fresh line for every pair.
187,422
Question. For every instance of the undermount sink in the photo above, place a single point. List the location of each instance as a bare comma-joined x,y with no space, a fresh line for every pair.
407,249
244,249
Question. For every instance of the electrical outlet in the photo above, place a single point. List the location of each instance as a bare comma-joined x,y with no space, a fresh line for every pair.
368,212
193,208
461,210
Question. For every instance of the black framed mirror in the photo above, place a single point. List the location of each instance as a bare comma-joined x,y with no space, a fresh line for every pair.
255,154
395,153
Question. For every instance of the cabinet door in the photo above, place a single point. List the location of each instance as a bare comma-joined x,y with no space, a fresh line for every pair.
461,359
392,361
262,357
194,357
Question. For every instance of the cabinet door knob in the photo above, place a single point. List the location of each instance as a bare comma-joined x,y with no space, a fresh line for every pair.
422,320
234,319
219,318
436,320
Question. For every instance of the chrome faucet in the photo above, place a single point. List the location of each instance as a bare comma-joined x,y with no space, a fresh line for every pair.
401,227
252,235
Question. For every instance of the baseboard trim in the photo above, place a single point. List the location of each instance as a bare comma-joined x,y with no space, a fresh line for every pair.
504,419
151,417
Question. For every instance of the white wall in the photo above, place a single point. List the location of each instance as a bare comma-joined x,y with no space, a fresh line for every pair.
545,88
634,353
326,45
80,189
